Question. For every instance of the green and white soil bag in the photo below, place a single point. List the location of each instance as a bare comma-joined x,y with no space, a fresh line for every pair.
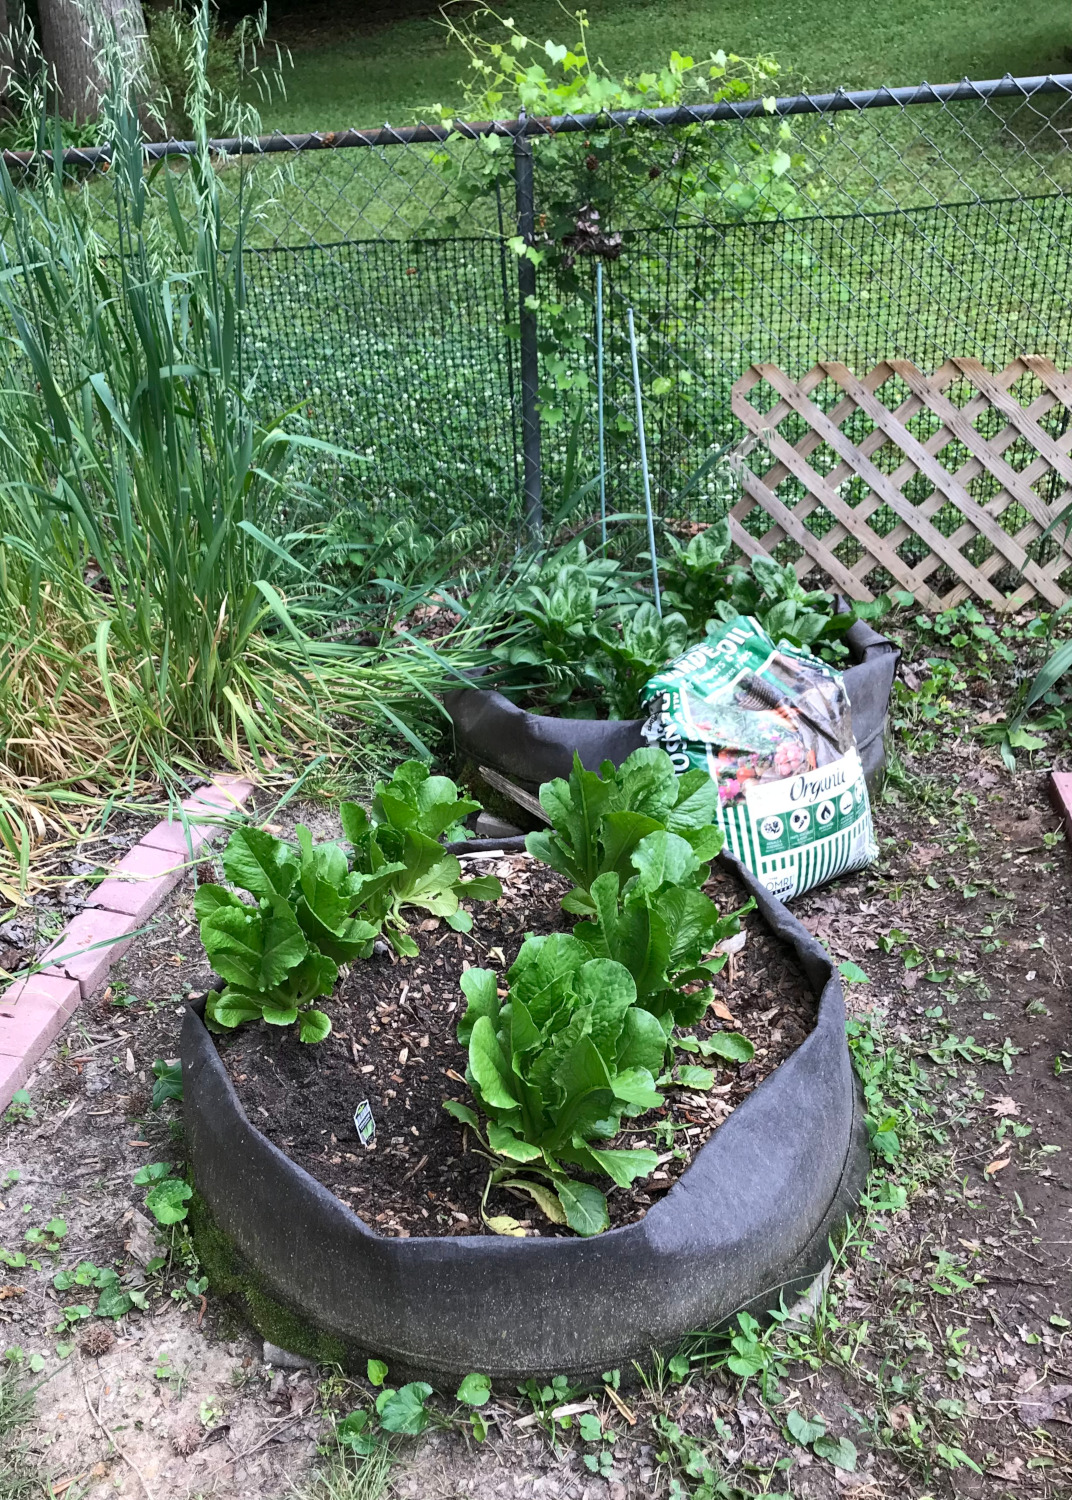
773,727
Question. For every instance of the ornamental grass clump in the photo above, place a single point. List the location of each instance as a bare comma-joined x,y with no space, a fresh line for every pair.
154,608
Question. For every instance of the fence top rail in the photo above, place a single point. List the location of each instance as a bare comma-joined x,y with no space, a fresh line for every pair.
681,114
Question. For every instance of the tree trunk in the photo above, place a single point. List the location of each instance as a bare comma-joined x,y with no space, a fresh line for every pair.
74,34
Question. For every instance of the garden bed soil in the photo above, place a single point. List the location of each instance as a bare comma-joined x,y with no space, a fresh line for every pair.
965,822
393,1043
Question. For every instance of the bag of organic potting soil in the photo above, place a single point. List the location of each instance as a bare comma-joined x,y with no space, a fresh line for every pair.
773,726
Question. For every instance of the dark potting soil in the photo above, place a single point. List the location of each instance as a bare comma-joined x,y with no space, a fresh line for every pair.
393,1043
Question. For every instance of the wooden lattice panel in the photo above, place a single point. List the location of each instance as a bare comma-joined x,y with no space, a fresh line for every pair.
855,518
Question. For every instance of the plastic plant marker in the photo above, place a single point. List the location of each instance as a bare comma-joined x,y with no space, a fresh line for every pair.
364,1123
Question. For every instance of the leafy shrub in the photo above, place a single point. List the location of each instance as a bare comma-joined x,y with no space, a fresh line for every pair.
171,44
588,640
554,1066
313,912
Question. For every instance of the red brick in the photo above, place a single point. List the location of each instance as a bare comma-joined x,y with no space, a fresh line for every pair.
32,1013
139,882
172,838
223,792
1061,796
13,1074
68,955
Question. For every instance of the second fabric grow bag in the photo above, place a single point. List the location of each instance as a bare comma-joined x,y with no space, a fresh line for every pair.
530,749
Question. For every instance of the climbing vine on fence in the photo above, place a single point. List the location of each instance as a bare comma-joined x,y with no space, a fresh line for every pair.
594,187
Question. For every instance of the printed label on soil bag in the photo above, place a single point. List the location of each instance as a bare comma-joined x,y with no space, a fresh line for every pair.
772,725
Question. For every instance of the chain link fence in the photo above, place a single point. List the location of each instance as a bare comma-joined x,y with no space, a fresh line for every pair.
428,296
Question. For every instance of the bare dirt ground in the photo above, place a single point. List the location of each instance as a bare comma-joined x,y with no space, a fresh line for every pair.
939,1360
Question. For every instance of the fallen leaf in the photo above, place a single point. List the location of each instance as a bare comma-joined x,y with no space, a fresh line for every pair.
996,1166
723,1012
1043,1404
572,1408
900,1417
1004,1107
505,1225
141,1246
1010,1470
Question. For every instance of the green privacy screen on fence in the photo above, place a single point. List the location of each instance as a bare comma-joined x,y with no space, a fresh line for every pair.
388,301
404,356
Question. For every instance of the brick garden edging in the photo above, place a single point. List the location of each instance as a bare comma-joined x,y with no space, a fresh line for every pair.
33,1011
1061,797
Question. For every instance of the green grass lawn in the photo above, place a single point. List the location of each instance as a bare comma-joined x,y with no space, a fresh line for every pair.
398,348
389,71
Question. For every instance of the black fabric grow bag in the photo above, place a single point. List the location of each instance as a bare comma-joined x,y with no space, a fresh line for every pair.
749,1219
530,749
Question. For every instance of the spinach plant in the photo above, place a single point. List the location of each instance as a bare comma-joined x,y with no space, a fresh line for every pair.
697,574
598,820
775,596
311,912
626,657
555,611
553,1067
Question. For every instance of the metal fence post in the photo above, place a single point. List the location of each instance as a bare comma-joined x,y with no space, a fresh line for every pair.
530,359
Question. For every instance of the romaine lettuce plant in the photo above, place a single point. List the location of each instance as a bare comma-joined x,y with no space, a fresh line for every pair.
661,926
399,853
311,912
598,820
553,1067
